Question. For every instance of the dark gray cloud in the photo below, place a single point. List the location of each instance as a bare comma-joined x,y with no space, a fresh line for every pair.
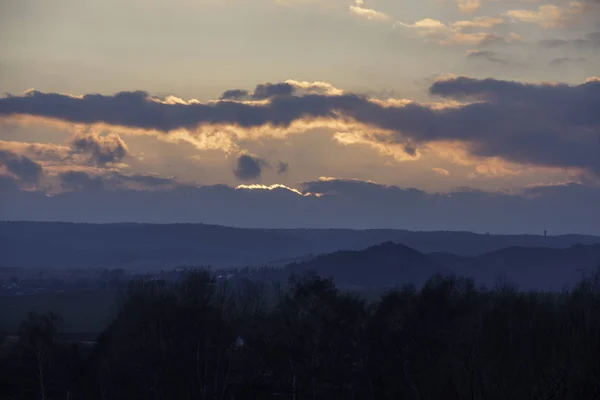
591,40
234,94
8,183
535,124
101,149
410,149
344,204
149,181
261,92
248,168
352,188
491,38
23,167
134,109
282,167
486,55
553,125
79,180
270,90
561,61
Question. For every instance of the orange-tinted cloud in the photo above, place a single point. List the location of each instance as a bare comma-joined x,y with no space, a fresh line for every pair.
533,124
441,171
462,32
369,13
468,6
552,16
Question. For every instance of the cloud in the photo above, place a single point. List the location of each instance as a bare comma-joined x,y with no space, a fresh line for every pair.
269,90
81,180
234,94
7,184
315,87
401,150
479,38
369,13
551,16
22,167
561,61
144,180
558,125
78,180
84,149
485,55
460,32
592,40
479,22
40,152
323,203
468,6
441,171
353,187
358,8
427,27
549,125
248,168
262,91
283,167
102,150
290,87
273,187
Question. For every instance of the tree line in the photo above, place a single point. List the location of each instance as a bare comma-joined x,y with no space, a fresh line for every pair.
205,338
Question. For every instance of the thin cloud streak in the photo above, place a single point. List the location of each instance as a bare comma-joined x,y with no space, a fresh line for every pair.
369,14
461,32
551,16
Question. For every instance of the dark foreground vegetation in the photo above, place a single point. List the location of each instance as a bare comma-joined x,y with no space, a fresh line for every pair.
203,338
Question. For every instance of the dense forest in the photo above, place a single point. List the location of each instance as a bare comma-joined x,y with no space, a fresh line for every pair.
208,338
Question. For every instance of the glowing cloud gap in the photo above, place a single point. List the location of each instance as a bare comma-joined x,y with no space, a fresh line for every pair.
270,188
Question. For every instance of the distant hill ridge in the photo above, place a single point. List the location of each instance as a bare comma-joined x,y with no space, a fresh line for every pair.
132,245
392,264
386,264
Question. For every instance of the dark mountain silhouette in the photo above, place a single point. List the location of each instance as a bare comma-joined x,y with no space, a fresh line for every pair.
130,245
391,264
460,243
69,245
384,265
529,267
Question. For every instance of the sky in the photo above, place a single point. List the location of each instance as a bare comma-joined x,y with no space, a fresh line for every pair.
478,115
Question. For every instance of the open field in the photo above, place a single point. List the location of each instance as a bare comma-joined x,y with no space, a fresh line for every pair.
82,311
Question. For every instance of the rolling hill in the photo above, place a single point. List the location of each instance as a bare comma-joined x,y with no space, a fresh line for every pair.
147,246
391,264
